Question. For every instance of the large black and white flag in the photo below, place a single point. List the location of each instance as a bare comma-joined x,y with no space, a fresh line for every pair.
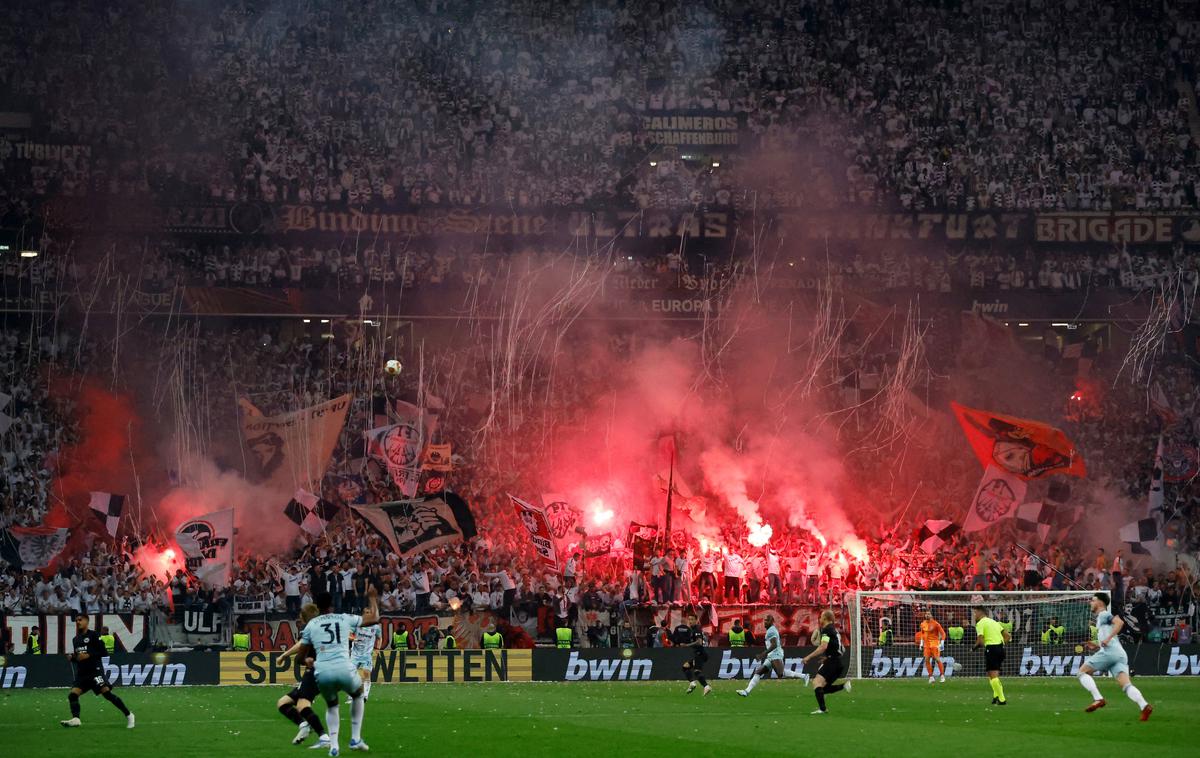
311,513
1140,535
935,533
108,508
414,526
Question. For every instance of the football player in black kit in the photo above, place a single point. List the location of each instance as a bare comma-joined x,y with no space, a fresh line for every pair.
88,657
690,634
832,668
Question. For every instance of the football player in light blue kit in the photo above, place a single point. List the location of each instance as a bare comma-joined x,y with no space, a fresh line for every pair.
770,659
1110,657
362,654
329,636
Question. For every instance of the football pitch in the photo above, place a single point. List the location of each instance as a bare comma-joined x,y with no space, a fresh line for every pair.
893,718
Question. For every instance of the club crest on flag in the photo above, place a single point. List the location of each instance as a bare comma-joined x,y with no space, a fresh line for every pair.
1025,448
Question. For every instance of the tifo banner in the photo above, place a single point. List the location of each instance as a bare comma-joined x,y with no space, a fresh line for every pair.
414,526
540,534
131,631
398,446
122,669
391,666
997,497
207,545
292,450
1028,449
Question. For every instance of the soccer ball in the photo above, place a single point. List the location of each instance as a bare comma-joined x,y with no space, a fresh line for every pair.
957,667
392,367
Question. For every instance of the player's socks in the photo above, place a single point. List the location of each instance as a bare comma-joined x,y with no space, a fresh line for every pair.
1089,684
997,689
73,699
1136,696
929,669
793,674
753,683
832,688
356,719
941,668
366,689
313,720
110,697
333,720
291,714
820,693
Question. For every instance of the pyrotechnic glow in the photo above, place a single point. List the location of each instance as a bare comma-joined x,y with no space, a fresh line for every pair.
455,604
855,547
170,554
600,514
760,534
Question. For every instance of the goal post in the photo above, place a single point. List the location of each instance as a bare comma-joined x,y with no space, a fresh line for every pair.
1047,628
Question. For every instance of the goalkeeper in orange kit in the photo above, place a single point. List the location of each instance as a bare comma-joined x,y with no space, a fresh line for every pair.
930,638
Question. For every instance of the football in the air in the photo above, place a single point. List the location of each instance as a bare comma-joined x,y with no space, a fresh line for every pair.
392,367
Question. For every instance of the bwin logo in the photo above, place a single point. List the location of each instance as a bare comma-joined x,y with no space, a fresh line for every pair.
1049,665
142,674
733,667
987,308
12,677
607,669
882,665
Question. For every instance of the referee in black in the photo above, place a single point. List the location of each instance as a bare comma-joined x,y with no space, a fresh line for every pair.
88,656
690,633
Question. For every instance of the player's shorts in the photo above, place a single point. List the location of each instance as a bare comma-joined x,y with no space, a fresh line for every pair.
306,690
699,655
831,669
338,678
363,663
932,652
775,655
91,679
1112,663
993,657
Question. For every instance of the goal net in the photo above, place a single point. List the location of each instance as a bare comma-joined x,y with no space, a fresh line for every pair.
1048,630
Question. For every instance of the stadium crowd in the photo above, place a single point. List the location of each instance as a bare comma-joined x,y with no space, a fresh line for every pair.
520,104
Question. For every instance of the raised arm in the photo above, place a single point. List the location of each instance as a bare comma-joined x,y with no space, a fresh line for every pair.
371,614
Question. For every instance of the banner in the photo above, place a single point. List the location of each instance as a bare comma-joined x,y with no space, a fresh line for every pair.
292,450
997,497
538,526
391,667
207,545
597,545
438,458
398,446
131,631
122,670
705,131
1028,449
414,526
562,518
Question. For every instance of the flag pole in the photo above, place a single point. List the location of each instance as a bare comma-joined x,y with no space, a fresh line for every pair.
670,493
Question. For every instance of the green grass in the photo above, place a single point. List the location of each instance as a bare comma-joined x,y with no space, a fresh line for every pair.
892,718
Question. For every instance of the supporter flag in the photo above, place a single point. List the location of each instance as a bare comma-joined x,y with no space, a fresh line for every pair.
561,516
1158,403
1076,359
414,526
207,545
293,449
27,548
107,508
935,533
398,446
640,540
598,545
309,512
437,458
997,497
535,522
1027,449
1140,535
1178,460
